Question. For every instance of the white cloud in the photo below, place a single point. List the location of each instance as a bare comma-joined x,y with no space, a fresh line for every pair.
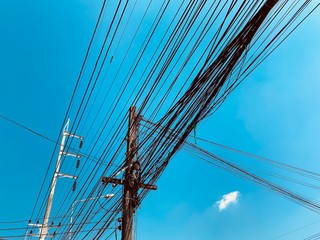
227,199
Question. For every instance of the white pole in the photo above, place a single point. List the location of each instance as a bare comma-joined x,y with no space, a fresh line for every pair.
45,225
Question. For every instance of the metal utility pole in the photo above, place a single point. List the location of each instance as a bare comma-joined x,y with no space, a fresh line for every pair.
131,182
44,227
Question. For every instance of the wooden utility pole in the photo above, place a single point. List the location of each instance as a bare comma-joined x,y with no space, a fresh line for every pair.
128,193
131,182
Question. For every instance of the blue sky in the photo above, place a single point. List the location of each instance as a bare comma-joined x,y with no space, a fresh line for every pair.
275,113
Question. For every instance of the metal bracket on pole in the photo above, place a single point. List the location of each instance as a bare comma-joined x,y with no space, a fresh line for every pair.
39,226
63,175
67,154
